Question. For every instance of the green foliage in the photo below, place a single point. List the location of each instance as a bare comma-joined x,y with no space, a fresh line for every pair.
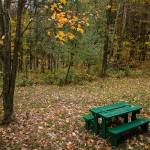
120,73
17,146
1,77
128,71
22,81
61,78
95,71
48,78
74,77
87,48
124,72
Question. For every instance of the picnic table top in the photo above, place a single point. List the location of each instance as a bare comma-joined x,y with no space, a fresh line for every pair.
110,107
119,111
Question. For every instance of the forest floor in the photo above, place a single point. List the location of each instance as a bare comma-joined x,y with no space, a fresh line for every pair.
50,117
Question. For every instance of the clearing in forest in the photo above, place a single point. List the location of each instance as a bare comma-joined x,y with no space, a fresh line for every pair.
50,117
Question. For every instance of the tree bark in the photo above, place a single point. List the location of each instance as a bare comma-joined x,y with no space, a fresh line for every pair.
115,27
69,67
7,102
1,27
106,41
122,33
10,68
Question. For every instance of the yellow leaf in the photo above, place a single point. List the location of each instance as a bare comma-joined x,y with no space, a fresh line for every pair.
73,27
65,20
60,7
61,33
70,35
57,36
59,25
62,14
48,33
146,147
31,19
74,18
1,129
108,6
87,24
61,38
147,43
1,42
86,19
63,1
80,30
3,37
58,16
46,7
53,7
79,25
68,16
53,16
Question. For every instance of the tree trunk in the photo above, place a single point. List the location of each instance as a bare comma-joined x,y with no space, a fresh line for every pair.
42,66
1,29
7,100
31,57
106,41
115,27
69,67
10,69
21,59
50,63
54,64
36,61
122,32
144,34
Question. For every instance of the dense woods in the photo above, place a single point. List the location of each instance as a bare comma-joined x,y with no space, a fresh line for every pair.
61,42
59,58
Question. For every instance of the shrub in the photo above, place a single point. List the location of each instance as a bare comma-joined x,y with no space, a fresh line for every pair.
120,73
22,81
48,78
128,71
61,78
89,77
74,77
95,71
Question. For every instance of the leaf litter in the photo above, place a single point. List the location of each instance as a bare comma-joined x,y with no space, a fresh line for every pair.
50,117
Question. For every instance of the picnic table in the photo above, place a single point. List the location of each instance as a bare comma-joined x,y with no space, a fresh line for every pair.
108,112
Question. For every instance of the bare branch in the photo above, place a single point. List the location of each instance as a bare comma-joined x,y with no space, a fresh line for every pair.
29,22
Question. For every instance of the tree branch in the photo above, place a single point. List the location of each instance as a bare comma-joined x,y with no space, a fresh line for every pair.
29,22
1,18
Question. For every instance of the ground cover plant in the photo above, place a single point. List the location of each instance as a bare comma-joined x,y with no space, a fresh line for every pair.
50,117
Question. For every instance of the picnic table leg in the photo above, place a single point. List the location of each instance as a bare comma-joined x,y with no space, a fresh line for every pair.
117,118
145,127
126,118
96,124
115,140
104,128
133,117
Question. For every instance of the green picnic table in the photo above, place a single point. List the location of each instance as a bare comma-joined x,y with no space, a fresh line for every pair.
108,112
104,110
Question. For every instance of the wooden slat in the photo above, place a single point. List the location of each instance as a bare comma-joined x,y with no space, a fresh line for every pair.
88,117
108,107
128,126
121,111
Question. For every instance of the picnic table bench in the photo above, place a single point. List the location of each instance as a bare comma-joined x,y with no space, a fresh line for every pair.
116,131
108,112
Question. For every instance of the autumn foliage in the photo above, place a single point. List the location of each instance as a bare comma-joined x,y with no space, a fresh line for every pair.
65,19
